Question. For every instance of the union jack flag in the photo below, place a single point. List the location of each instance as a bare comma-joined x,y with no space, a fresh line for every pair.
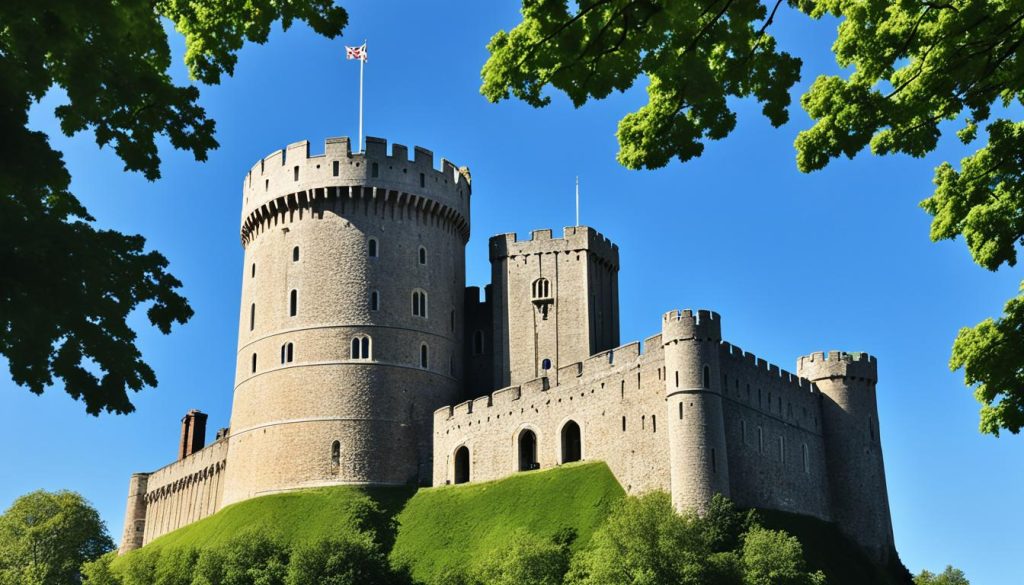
356,53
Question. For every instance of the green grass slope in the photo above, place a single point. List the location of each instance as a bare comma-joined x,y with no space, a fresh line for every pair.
458,525
292,517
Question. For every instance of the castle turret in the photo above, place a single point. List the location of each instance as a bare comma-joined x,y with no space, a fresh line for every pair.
697,451
856,472
351,323
555,301
135,514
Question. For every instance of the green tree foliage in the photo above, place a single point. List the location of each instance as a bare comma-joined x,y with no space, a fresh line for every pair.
644,542
527,560
772,557
45,537
350,559
695,55
66,288
253,558
950,576
911,65
99,572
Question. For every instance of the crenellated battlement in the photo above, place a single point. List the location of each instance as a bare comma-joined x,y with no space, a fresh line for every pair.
574,238
679,325
735,359
838,364
293,169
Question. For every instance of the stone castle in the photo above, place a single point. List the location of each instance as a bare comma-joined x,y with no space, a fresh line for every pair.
363,358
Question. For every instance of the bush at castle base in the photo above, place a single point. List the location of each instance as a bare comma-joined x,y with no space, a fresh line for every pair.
644,542
342,560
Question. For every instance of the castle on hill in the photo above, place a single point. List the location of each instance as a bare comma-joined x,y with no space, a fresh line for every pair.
363,358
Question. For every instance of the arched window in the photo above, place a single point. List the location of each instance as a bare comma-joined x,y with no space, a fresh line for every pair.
423,255
295,254
419,303
572,445
371,247
545,364
707,377
361,347
287,353
254,363
423,356
541,289
296,172
528,450
335,456
374,300
478,342
252,316
462,465
293,303
806,458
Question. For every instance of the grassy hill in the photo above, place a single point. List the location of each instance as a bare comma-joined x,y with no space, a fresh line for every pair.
455,525
431,529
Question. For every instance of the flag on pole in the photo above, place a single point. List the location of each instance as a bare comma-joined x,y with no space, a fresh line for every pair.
356,52
359,54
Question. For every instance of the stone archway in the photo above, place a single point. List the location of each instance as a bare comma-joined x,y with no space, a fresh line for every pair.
462,465
572,444
528,450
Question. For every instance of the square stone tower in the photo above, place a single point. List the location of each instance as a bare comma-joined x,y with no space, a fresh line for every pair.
555,301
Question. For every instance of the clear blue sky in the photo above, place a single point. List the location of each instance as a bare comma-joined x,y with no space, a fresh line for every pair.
839,259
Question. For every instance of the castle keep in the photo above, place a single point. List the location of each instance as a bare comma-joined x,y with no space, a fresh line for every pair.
364,359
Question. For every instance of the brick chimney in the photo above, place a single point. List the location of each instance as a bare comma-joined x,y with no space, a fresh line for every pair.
193,433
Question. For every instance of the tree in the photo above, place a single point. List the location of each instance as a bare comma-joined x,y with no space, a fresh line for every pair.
912,66
253,558
349,559
526,560
950,576
99,572
45,537
644,542
66,288
772,557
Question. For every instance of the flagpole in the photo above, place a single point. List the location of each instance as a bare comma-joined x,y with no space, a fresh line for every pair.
577,201
362,61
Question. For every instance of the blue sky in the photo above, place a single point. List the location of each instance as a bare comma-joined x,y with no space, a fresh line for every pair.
839,259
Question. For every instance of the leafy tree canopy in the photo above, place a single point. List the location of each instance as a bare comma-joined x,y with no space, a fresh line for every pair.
950,576
45,537
66,288
912,65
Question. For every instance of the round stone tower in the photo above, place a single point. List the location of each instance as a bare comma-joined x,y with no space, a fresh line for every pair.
849,420
694,401
350,331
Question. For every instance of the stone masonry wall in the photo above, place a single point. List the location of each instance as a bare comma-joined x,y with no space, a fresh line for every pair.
185,491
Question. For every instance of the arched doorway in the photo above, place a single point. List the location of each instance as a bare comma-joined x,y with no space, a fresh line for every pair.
572,446
462,464
528,450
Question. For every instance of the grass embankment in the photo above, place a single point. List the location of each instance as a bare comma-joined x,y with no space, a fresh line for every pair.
460,525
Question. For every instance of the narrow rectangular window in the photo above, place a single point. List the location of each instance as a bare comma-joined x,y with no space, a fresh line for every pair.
375,170
714,464
654,423
623,423
677,378
254,363
296,172
680,411
336,166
